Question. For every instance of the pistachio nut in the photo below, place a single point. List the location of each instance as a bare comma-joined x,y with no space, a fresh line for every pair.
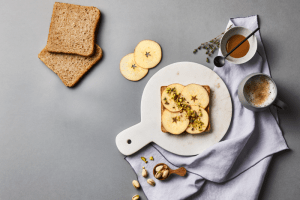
165,174
136,197
151,182
144,173
159,168
158,175
135,184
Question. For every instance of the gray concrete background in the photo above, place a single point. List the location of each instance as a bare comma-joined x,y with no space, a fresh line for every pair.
59,143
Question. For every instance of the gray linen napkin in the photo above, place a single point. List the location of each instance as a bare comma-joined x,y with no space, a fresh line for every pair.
233,168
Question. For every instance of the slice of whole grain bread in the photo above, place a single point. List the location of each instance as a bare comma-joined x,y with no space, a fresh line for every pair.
72,29
69,67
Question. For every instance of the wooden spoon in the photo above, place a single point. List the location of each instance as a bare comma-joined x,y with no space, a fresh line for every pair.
180,171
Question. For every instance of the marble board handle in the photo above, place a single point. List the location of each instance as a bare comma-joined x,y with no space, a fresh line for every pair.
133,139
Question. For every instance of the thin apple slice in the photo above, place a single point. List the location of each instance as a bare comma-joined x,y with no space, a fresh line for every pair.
130,70
195,95
147,54
168,98
174,123
198,121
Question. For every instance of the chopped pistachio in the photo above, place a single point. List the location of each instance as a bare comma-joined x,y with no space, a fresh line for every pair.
144,159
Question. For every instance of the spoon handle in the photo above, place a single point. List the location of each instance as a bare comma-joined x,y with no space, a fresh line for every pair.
180,171
242,42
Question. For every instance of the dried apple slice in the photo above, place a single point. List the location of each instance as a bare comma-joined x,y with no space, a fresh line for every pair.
130,70
195,95
168,98
174,123
198,118
147,54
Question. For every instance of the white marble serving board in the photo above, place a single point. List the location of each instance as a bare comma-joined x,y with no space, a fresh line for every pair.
149,129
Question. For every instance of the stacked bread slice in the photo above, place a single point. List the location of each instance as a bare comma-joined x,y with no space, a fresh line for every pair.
71,49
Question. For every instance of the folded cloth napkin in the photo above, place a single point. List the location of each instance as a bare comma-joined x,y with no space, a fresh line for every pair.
235,167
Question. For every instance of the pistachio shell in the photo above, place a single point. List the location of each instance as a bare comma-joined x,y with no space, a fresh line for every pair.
165,174
135,184
136,197
151,182
144,173
158,175
158,168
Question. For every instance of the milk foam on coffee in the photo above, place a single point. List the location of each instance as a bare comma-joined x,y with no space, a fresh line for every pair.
260,91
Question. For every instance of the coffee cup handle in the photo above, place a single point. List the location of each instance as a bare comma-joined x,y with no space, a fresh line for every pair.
280,104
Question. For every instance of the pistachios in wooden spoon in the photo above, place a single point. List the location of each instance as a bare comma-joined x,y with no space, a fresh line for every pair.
162,171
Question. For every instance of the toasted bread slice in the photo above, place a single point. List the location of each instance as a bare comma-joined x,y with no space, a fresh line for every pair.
207,109
69,67
72,29
130,70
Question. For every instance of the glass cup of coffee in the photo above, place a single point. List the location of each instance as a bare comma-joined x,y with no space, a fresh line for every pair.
258,91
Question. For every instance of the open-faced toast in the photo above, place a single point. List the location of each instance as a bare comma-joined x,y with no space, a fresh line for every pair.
207,109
